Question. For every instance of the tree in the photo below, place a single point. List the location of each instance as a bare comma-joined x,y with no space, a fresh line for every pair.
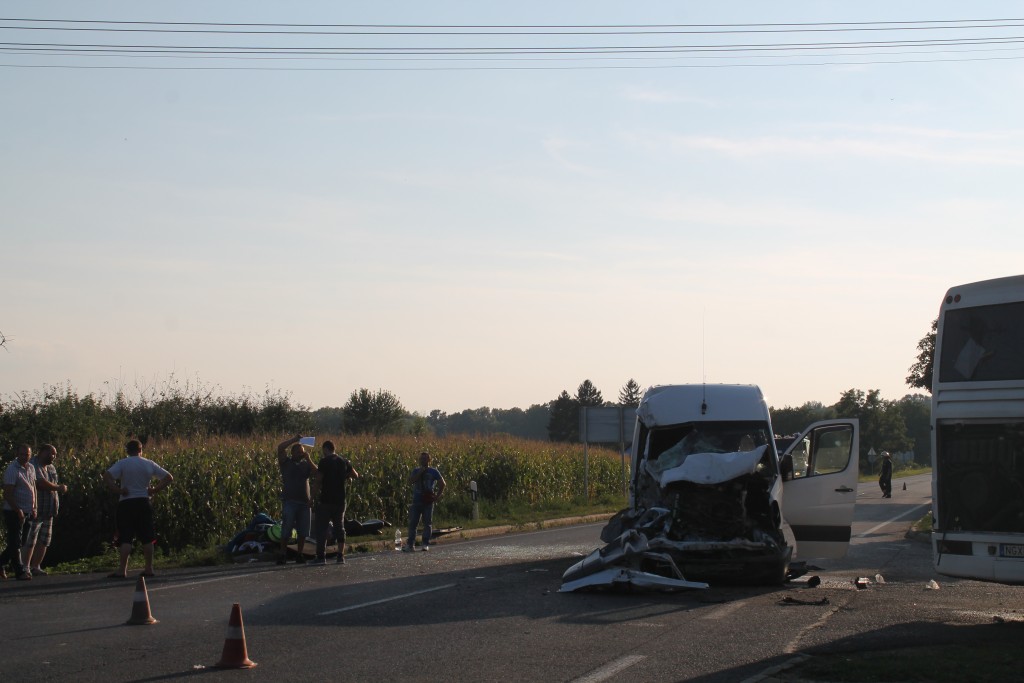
588,395
564,423
372,412
786,421
917,411
881,422
629,394
920,376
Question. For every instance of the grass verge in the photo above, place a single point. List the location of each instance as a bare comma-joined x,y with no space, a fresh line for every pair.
491,514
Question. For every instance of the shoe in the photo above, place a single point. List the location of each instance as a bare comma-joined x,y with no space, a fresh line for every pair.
38,571
320,560
407,548
281,560
300,560
426,548
24,576
340,559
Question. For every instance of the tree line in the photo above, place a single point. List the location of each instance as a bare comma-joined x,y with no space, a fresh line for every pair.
178,409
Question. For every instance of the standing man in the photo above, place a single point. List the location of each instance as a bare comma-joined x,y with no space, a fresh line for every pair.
295,474
48,490
427,487
333,472
885,477
19,510
132,477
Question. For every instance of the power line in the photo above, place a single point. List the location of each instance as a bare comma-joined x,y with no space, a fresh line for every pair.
627,50
501,68
516,50
809,26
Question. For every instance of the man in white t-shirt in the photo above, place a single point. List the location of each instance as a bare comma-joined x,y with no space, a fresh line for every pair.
19,509
133,477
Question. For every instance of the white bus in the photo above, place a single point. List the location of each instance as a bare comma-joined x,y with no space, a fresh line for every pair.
978,432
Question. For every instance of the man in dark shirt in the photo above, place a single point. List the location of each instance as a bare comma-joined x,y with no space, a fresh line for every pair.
332,474
885,477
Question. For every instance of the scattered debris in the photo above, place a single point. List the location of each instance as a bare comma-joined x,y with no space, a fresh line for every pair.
807,581
796,601
879,579
932,585
862,583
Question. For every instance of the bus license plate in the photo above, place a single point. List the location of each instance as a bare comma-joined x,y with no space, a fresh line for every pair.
1011,550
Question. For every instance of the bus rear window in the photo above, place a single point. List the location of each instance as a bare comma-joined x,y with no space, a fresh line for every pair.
983,344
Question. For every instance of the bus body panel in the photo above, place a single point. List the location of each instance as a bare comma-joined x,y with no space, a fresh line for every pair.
977,432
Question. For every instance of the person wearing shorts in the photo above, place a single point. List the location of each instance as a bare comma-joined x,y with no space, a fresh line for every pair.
296,469
48,490
133,477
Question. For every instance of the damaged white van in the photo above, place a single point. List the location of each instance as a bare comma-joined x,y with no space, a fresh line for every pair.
706,494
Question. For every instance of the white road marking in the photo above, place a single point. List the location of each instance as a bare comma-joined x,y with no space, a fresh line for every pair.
202,581
383,600
610,669
875,528
725,610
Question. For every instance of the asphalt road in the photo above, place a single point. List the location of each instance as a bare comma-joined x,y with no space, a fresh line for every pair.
488,609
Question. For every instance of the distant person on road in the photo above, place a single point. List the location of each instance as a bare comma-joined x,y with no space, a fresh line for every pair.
19,511
427,488
48,490
885,476
296,471
132,477
333,472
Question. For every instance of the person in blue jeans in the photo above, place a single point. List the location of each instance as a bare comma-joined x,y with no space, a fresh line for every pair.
296,470
427,488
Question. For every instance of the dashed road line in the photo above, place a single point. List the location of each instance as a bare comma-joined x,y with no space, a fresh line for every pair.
725,610
610,669
875,528
384,600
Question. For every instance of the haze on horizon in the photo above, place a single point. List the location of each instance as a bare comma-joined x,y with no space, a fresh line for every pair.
488,230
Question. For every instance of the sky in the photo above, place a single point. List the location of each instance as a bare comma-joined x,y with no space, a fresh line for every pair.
468,230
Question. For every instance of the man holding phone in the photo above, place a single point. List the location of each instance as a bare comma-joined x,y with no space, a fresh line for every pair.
296,470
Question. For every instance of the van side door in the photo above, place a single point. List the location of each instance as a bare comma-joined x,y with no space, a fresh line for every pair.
818,501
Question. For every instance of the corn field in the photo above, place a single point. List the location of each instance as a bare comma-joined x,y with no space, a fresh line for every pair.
220,482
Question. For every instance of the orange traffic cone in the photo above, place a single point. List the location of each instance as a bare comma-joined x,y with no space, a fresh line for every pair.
140,605
234,655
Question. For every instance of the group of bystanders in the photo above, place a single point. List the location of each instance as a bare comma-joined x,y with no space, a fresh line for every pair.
31,502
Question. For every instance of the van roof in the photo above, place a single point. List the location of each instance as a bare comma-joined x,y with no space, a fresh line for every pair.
678,403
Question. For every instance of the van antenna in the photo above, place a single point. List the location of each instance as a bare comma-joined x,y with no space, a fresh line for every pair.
703,371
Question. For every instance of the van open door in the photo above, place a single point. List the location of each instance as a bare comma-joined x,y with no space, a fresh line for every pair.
818,500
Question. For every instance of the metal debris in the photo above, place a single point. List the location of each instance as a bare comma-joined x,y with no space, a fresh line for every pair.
796,601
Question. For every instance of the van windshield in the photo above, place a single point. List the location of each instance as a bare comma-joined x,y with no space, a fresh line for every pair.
675,442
